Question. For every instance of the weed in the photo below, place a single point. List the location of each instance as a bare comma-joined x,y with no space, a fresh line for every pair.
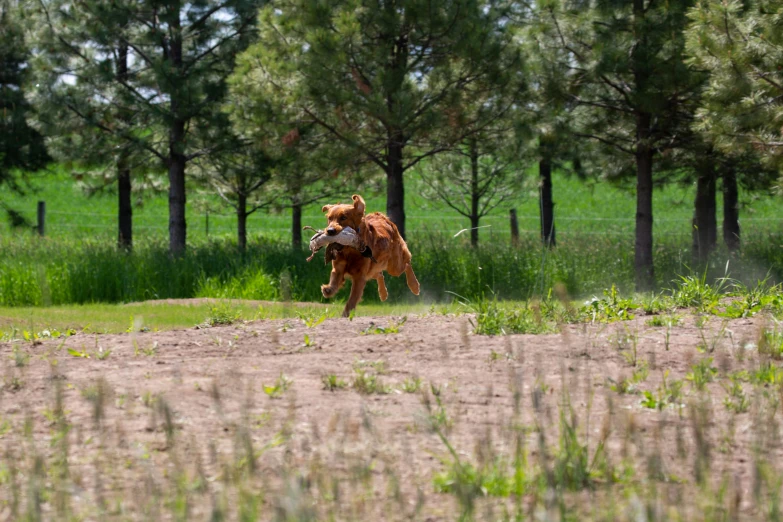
668,393
767,374
710,345
311,319
149,399
20,357
393,328
308,341
655,303
627,343
332,382
751,300
275,391
668,321
574,468
702,373
378,366
368,384
13,382
693,291
608,309
497,356
629,385
771,342
736,400
464,479
411,385
222,315
79,353
493,319
149,351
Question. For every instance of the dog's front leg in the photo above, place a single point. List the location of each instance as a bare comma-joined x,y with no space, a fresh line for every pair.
336,281
382,292
357,289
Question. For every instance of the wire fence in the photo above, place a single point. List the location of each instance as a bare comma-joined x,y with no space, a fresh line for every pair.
497,226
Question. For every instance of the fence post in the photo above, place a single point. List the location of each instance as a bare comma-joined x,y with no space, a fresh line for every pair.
512,214
41,217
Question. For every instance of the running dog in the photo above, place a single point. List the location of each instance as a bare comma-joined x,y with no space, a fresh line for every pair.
382,248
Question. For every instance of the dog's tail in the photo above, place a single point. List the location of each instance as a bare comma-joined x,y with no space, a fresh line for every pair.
410,277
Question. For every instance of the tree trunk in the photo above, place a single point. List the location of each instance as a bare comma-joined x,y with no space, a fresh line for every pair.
125,239
242,222
125,208
546,205
705,224
296,224
397,73
474,194
643,252
395,192
731,227
177,159
643,248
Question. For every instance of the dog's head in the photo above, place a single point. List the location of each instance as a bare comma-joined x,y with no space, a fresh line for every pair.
339,216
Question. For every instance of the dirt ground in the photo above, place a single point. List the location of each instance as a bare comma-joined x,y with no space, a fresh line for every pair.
212,381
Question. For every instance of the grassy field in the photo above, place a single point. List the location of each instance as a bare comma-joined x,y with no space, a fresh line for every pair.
173,315
582,209
77,262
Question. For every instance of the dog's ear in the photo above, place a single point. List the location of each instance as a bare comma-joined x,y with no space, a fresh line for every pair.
326,208
358,203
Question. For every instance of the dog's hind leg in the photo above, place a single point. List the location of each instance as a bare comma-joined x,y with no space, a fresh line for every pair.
336,281
382,292
357,289
410,277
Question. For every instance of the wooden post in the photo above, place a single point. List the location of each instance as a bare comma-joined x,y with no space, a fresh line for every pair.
512,214
41,217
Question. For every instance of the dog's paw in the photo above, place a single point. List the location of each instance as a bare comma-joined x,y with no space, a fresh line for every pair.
328,291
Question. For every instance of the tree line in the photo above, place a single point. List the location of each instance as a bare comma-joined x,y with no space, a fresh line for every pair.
277,104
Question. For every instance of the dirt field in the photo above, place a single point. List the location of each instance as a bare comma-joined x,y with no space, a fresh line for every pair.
179,424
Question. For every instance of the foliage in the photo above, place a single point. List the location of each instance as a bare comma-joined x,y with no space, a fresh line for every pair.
22,148
393,328
388,81
280,386
739,43
610,308
223,314
493,318
147,75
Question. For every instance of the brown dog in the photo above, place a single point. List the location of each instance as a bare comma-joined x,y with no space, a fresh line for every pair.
385,250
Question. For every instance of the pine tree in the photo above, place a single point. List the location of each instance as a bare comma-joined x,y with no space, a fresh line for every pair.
634,91
239,174
741,44
389,80
478,175
167,103
22,147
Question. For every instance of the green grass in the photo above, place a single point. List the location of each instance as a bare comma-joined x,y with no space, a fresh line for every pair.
584,209
77,262
119,318
55,271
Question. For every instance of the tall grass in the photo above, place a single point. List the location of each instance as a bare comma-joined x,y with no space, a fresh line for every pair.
51,271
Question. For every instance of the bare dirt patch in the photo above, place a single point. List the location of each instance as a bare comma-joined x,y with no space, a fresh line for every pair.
203,417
